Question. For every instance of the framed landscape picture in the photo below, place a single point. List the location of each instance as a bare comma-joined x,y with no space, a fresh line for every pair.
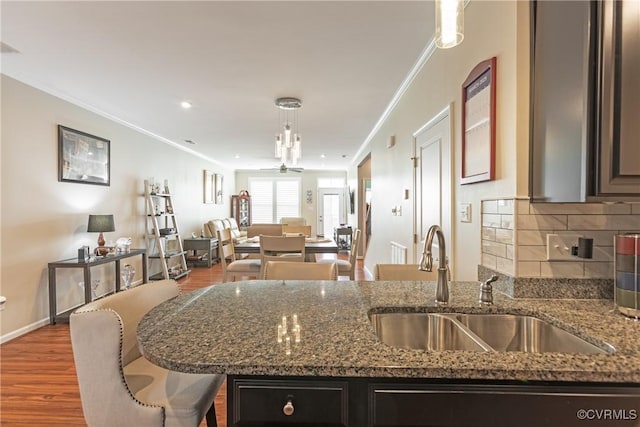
83,158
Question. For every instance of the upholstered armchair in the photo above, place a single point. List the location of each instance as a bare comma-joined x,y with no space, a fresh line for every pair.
118,386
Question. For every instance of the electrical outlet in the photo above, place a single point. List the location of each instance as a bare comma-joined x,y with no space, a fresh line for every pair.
559,247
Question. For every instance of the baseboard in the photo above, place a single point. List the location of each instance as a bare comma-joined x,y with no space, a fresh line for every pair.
39,324
24,330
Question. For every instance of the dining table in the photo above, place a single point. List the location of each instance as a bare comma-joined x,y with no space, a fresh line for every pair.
312,246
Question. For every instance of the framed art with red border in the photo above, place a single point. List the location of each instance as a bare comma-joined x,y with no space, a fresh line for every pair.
478,123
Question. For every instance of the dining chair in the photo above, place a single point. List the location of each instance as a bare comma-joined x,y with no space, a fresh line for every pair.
284,270
118,386
347,267
249,267
279,248
305,230
293,220
403,272
255,230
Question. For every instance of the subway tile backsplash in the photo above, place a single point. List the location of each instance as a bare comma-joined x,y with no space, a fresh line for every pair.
514,236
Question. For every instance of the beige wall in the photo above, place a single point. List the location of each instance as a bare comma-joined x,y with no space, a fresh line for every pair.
44,220
436,86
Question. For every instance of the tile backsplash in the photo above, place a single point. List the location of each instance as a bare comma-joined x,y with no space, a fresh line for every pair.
514,236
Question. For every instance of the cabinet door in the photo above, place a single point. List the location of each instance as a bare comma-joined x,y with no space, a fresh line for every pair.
619,146
501,406
313,403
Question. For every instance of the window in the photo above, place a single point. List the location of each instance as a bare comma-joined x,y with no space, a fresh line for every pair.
274,198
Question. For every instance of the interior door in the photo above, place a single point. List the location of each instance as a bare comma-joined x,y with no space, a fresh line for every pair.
332,210
433,180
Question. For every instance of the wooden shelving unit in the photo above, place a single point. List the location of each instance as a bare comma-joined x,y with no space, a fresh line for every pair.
165,251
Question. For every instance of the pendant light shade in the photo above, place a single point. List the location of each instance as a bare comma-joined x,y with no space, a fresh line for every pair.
288,141
449,23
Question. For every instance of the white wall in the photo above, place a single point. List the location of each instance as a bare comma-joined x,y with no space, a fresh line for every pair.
44,220
491,29
309,182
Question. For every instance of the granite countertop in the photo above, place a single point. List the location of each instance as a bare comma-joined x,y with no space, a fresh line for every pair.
232,329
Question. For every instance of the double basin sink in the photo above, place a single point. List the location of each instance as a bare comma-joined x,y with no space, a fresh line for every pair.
478,332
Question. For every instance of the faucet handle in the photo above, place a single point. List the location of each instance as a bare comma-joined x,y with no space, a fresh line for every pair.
486,291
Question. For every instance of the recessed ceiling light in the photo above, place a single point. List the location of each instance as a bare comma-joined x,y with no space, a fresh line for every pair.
237,156
185,104
188,141
322,156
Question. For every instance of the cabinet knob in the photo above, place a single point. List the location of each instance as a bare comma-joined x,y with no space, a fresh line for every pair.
288,408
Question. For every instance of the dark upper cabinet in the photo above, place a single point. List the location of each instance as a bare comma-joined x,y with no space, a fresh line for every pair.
585,101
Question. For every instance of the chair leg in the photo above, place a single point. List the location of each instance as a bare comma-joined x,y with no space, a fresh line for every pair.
211,416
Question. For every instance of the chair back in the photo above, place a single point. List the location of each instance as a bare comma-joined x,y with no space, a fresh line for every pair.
305,230
403,272
293,220
279,248
103,339
264,230
225,247
283,270
353,254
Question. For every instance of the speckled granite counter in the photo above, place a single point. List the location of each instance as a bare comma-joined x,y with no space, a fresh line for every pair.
232,329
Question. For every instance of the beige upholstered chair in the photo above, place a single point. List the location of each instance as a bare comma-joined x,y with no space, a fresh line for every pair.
279,248
283,270
293,220
249,267
403,272
255,230
347,268
119,387
305,230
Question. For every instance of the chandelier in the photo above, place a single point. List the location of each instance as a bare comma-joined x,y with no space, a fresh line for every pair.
288,140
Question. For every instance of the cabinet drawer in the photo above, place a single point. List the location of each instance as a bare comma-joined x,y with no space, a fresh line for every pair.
502,406
262,403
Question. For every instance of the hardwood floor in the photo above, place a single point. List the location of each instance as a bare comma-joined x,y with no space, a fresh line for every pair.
38,385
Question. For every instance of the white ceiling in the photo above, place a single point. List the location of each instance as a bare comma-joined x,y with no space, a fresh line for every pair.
136,61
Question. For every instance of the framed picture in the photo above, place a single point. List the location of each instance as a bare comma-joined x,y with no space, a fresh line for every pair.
83,158
219,190
478,123
209,186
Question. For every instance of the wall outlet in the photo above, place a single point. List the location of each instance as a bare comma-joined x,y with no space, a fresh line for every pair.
465,212
559,247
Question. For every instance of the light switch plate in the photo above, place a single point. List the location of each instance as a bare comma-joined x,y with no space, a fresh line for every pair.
465,212
559,247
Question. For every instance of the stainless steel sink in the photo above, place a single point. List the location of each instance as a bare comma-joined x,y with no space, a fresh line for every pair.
424,331
477,332
509,332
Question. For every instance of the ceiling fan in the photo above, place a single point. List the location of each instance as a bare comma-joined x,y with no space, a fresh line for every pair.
284,169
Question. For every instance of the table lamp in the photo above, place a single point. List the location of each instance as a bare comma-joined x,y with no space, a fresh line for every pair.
100,224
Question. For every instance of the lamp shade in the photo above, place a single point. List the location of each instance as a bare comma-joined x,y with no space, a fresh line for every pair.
101,223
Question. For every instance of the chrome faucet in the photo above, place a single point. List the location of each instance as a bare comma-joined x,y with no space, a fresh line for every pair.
426,263
486,291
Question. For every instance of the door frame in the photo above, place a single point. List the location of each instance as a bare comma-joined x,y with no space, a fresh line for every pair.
341,192
446,185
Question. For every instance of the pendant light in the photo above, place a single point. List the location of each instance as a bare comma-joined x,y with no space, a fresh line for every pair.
449,23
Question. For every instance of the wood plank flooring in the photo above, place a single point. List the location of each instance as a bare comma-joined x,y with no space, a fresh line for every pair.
38,385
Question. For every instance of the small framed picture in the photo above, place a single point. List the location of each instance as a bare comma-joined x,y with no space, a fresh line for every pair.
83,158
209,186
479,123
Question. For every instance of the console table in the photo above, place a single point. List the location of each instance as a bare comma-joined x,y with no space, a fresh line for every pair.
345,231
86,267
207,244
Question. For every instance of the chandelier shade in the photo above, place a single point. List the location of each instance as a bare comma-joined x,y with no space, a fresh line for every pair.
449,23
288,142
